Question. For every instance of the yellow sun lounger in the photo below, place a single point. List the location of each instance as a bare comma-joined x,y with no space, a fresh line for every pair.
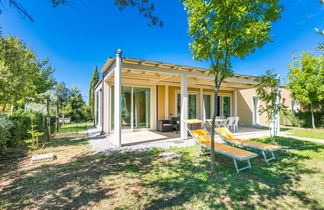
227,136
203,140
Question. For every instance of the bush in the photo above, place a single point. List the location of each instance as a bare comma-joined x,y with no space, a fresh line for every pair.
302,119
14,127
22,122
5,132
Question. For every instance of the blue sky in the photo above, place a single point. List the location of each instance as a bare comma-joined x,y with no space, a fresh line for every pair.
77,39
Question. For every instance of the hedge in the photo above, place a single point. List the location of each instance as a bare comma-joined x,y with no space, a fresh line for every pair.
302,119
14,127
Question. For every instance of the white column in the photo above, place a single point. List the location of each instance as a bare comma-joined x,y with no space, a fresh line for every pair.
109,109
117,100
106,107
277,122
202,105
235,103
184,107
166,100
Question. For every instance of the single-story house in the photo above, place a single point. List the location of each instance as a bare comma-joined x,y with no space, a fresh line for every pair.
135,94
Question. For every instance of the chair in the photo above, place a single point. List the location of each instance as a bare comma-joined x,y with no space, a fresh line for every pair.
176,123
235,123
165,126
203,140
229,123
227,136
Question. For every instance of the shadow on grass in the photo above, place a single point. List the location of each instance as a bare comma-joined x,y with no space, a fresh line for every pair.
75,184
81,181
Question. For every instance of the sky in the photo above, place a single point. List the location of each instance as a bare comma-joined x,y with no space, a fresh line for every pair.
76,39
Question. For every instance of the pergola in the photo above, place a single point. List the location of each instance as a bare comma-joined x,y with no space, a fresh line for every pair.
138,72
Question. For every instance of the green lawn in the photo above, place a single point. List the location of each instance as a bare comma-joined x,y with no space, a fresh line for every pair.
75,127
310,133
80,179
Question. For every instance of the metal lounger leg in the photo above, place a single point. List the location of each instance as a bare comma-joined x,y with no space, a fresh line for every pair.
241,169
268,159
201,153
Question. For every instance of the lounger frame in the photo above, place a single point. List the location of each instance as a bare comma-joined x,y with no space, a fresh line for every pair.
263,150
235,158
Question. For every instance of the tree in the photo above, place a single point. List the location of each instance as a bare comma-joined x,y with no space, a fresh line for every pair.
49,97
144,7
63,94
225,29
93,82
76,106
22,76
306,80
268,91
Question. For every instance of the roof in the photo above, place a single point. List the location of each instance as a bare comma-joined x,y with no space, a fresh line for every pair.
110,61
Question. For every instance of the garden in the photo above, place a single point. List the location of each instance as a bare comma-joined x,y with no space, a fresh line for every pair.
78,178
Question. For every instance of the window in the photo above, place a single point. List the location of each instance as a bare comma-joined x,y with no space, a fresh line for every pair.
135,107
226,106
192,106
207,107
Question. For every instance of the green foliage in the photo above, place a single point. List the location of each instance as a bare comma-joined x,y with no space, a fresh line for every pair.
23,76
34,142
76,105
306,78
22,122
302,119
5,126
266,90
231,28
221,30
93,82
62,93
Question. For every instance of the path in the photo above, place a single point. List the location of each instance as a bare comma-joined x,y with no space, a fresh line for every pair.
285,134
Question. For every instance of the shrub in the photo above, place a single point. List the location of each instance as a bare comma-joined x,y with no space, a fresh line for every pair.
34,142
22,124
5,135
302,119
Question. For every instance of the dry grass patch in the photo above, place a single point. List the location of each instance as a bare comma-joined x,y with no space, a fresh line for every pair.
80,179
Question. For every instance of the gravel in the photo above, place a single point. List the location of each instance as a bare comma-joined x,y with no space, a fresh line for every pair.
102,144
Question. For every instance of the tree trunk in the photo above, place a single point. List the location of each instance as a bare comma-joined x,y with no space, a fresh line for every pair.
213,159
63,114
57,117
48,120
313,120
4,107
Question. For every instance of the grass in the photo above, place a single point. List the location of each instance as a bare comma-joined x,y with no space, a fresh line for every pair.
75,127
80,179
309,133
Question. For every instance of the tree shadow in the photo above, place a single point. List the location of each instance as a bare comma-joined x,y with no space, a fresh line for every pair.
82,181
264,182
73,184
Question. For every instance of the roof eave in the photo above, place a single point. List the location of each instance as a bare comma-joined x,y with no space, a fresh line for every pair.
109,62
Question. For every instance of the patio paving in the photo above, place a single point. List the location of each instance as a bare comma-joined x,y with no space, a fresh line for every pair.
145,140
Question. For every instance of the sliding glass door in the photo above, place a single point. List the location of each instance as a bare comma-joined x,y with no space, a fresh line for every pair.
135,107
226,106
207,107
192,105
141,107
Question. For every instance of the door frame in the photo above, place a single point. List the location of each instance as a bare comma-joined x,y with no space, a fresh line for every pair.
211,104
152,108
221,110
255,116
178,92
